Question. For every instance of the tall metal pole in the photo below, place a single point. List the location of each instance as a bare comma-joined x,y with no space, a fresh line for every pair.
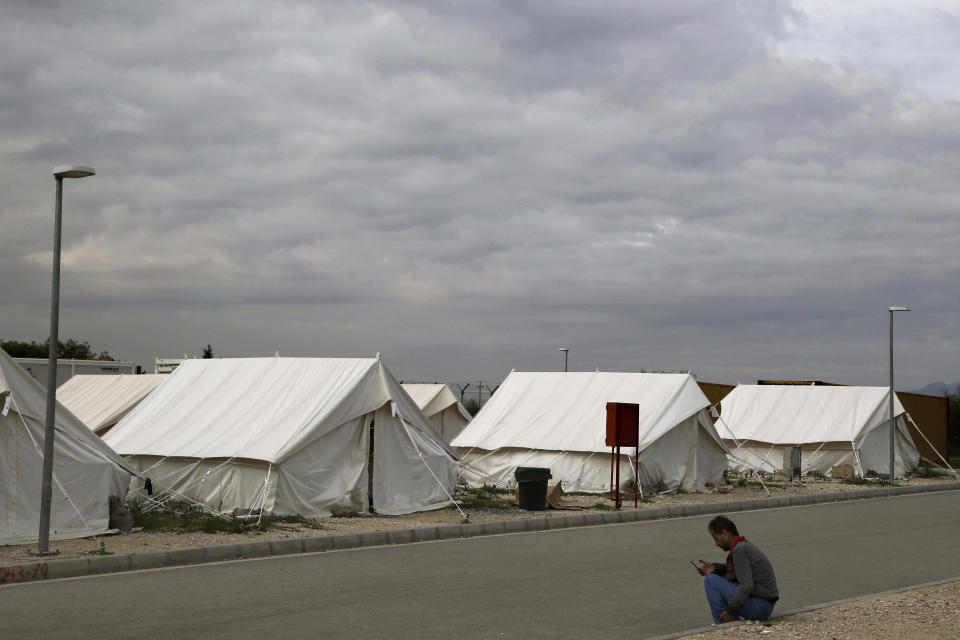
46,490
892,441
565,351
892,420
46,487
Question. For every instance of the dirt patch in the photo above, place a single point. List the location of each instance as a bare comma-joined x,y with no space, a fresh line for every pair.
930,613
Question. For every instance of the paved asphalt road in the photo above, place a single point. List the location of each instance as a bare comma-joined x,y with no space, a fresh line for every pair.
630,581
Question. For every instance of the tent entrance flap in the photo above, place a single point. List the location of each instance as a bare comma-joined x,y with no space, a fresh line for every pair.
409,463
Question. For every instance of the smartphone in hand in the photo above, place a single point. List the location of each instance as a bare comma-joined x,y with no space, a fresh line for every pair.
695,566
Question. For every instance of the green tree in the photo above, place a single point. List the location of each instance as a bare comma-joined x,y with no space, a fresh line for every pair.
69,350
471,405
18,349
207,352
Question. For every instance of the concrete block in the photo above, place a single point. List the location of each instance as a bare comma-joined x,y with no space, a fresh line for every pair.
109,564
591,519
254,549
286,546
675,510
656,513
223,553
575,520
148,560
317,543
629,515
610,517
196,555
710,508
515,526
472,529
492,528
66,568
557,523
399,536
373,538
346,541
535,524
450,531
424,534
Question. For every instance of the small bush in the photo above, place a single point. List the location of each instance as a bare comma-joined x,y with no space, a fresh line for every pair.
485,502
180,518
488,497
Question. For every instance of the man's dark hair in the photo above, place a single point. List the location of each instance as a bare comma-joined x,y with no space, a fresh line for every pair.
722,523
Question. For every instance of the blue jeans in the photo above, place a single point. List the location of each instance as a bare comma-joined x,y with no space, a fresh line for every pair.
720,590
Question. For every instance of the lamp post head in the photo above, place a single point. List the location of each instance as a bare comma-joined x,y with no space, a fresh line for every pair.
72,171
563,349
899,309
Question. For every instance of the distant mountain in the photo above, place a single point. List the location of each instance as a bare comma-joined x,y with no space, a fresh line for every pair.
937,388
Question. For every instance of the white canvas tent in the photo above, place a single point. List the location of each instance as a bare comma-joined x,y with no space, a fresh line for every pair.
309,436
833,425
84,467
558,420
101,401
439,404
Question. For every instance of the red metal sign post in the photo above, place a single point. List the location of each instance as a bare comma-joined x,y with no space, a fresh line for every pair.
623,430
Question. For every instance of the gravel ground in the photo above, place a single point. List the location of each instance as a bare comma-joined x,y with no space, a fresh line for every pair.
925,613
930,613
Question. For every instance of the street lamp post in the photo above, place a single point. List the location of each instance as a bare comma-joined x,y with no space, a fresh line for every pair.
46,490
892,420
565,351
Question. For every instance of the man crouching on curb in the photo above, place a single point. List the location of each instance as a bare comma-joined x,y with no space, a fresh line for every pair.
742,587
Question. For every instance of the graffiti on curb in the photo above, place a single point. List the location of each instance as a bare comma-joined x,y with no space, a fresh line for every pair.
21,572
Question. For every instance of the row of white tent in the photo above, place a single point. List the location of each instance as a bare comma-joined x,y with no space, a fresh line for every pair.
317,436
309,436
555,420
101,401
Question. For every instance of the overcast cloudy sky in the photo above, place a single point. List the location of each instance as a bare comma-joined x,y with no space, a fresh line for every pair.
736,188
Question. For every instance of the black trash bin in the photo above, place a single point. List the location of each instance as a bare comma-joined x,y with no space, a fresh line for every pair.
532,484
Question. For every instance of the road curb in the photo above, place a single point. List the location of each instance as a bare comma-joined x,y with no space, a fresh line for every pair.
813,607
94,565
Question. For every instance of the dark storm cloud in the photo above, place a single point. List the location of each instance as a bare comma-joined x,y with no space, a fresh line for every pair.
466,186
